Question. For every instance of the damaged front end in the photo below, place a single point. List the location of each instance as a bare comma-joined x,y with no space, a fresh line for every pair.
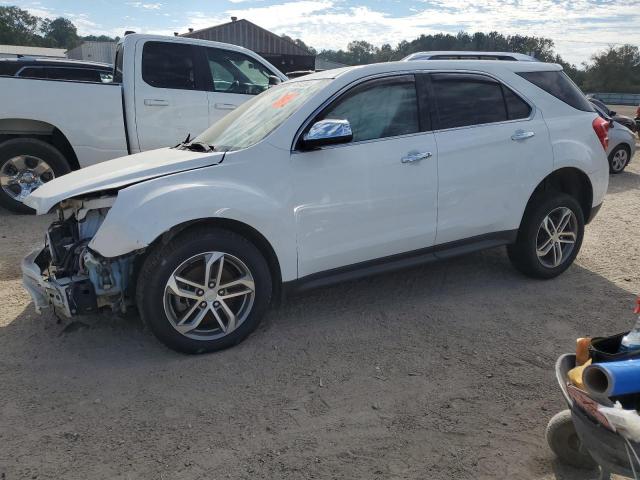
67,274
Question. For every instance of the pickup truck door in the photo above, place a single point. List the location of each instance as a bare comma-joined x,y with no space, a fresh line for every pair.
170,97
235,78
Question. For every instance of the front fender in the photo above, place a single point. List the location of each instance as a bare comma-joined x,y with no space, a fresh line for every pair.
143,212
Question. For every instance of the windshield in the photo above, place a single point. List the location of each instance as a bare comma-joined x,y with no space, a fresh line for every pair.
257,118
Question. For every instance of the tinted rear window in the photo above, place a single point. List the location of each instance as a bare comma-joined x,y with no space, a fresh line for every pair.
169,65
467,99
560,86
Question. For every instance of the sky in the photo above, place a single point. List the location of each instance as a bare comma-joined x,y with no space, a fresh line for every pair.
579,28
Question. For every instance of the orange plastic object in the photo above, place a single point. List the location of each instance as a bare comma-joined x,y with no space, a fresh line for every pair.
582,350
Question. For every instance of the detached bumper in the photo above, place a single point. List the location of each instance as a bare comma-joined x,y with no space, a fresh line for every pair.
43,291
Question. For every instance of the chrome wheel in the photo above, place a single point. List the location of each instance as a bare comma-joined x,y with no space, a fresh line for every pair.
619,160
209,295
556,237
21,175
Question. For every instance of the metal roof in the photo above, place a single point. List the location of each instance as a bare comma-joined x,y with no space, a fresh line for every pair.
32,51
249,35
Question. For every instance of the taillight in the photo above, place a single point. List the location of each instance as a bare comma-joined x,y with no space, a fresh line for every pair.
601,127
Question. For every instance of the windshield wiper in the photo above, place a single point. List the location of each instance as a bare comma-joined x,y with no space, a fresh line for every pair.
187,144
197,147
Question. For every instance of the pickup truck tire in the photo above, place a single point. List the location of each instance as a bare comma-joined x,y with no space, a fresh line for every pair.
190,290
550,236
26,163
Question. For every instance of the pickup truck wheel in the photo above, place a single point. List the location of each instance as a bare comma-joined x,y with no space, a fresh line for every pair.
618,159
205,290
25,165
550,236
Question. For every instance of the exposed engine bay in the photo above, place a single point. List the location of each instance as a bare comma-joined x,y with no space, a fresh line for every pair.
76,280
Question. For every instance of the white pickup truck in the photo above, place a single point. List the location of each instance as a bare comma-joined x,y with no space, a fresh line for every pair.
164,88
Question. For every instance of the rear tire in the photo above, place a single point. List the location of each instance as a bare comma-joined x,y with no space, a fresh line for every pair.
619,159
186,295
533,238
26,163
565,443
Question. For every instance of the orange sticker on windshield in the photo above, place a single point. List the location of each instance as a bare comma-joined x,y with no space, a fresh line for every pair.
283,100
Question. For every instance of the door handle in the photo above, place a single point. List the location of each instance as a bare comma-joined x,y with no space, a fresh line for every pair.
225,106
155,102
521,135
415,157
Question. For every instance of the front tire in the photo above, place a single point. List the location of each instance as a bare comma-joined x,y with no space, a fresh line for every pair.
205,290
25,165
550,236
619,159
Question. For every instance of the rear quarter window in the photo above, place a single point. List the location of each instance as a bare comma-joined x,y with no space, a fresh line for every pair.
558,84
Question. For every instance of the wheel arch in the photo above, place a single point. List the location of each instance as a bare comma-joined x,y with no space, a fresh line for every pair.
569,180
241,228
11,128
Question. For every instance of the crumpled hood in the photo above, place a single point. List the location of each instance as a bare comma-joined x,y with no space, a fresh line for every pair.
118,173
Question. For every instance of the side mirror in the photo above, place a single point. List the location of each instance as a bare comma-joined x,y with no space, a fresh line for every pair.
327,132
612,113
273,80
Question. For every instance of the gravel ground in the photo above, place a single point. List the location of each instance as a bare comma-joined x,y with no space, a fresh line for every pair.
439,372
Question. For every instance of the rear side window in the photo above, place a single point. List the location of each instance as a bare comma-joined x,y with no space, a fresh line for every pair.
463,100
169,65
33,72
77,74
379,108
560,86
516,107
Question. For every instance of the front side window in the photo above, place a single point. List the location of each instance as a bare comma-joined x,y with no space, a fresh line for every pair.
463,100
254,120
379,108
234,72
169,65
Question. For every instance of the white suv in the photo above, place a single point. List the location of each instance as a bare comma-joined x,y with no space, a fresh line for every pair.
326,178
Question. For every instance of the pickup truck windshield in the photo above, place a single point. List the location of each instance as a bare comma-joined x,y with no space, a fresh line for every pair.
255,119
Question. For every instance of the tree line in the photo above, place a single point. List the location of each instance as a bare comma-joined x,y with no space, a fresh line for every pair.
19,27
616,69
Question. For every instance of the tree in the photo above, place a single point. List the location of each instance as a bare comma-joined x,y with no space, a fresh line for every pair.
19,27
614,70
301,44
60,33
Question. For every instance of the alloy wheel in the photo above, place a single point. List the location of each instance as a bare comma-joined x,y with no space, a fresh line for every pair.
209,295
21,175
557,236
619,160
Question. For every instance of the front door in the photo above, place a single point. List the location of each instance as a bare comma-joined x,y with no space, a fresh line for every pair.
170,97
375,196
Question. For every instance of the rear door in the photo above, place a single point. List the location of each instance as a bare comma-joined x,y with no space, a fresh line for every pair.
170,94
493,149
234,78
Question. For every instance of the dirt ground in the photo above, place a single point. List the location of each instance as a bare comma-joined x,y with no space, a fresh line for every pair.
439,372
